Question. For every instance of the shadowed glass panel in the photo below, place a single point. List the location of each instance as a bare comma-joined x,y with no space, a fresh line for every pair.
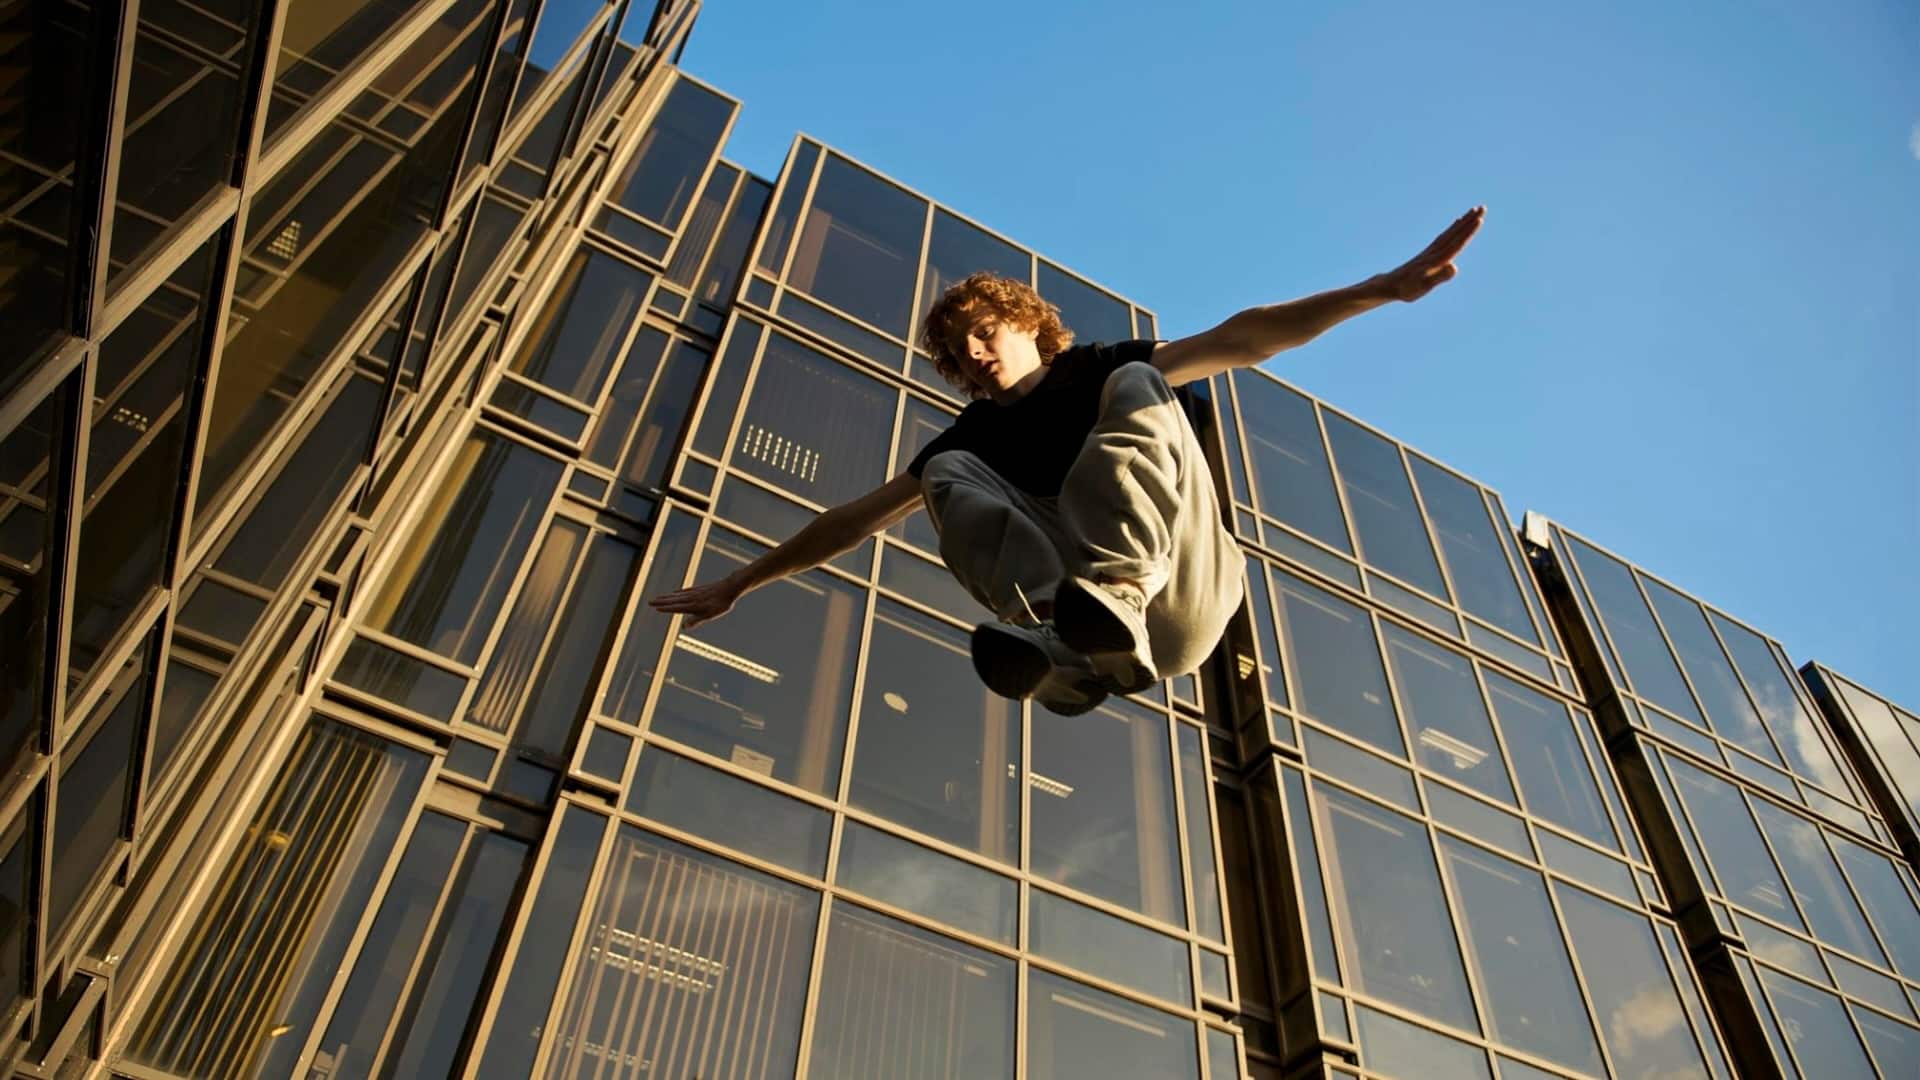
1292,480
1892,741
661,178
1092,314
1780,707
1514,942
322,39
1393,1047
463,552
736,813
773,249
769,686
1102,807
1816,882
697,237
896,1000
1728,711
96,782
559,26
729,258
1336,664
327,827
26,456
1888,902
1817,1029
917,878
639,659
1555,776
566,678
937,752
1483,581
1642,1019
1389,913
1636,638
493,102
15,906
510,668
958,249
1200,833
1445,714
1108,947
574,340
1895,1046
1732,842
185,691
692,963
1075,1032
859,246
815,427
1385,517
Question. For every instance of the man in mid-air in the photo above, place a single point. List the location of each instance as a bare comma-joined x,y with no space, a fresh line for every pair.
1071,496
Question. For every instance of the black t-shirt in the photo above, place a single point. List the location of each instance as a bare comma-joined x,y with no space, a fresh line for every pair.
1034,441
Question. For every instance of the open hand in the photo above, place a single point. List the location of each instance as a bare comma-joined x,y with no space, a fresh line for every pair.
1419,275
699,603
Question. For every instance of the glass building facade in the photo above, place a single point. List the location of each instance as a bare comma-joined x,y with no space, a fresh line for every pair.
370,362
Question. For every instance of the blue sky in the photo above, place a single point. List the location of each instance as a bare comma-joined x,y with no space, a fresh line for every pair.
1689,330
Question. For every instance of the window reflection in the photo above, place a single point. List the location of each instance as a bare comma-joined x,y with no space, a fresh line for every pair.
1389,913
768,687
1889,903
1733,845
896,1000
1641,1018
858,246
678,933
1075,1032
737,813
1816,882
1476,561
917,878
1336,664
1385,517
1102,806
320,41
1445,715
1555,776
1893,739
1728,711
574,340
937,752
1291,478
566,678
1091,314
659,181
1780,706
1895,1046
1635,636
1817,1029
815,427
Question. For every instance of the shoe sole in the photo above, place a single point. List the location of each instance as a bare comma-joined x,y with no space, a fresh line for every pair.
1013,668
1087,624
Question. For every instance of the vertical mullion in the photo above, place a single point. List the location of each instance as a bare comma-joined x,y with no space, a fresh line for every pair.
93,254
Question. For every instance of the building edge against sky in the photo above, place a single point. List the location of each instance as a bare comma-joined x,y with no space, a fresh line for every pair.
363,395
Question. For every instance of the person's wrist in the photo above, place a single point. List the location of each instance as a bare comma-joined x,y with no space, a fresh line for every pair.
1381,287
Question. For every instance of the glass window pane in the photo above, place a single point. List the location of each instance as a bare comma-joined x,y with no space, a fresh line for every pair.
815,427
573,341
697,237
859,246
1892,741
467,547
1888,903
329,825
1091,313
1635,637
729,256
937,752
746,689
921,425
26,457
1102,807
1728,711
1469,541
1389,913
1514,942
184,694
958,249
1292,480
182,124
1816,882
1445,713
1642,1020
1780,706
554,35
1895,1046
639,660
95,784
798,174
1075,1032
1555,777
896,1000
1223,1058
1817,1029
1108,947
660,179
1336,664
924,881
510,668
1733,845
738,813
16,936
661,427
1392,535
1193,792
567,678
693,964
321,40
1392,1047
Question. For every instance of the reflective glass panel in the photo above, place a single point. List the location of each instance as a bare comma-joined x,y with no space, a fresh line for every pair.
1336,664
1887,900
692,963
815,427
567,677
1108,947
1892,741
937,751
697,237
1389,913
1193,792
1555,776
1483,582
15,928
573,341
639,659
1816,882
859,245
1636,638
493,104
1102,806
729,257
941,887
798,174
1780,707
748,689
554,36
1092,314
896,1000
95,783
1075,1032
510,668
26,457
320,41
1392,535
1393,1047
466,549
1446,716
1733,845
1728,710
1642,1019
1291,478
1895,1046
1817,1029
1514,942
738,813
661,178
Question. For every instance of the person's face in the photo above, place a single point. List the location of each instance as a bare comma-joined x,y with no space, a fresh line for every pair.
999,358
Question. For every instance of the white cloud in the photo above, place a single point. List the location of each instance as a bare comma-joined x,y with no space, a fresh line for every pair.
1913,141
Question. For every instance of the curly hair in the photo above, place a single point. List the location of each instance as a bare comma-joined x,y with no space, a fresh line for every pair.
987,297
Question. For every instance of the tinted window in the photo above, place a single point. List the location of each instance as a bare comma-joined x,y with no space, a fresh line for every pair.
1291,478
859,246
1392,535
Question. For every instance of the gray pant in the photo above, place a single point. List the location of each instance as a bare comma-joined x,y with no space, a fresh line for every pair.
1138,503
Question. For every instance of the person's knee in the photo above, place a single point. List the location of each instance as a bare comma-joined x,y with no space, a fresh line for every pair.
1139,381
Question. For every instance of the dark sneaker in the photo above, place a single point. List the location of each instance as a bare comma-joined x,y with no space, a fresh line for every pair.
1107,621
1032,662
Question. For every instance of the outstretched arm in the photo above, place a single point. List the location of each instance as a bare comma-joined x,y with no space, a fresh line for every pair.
833,532
1258,333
